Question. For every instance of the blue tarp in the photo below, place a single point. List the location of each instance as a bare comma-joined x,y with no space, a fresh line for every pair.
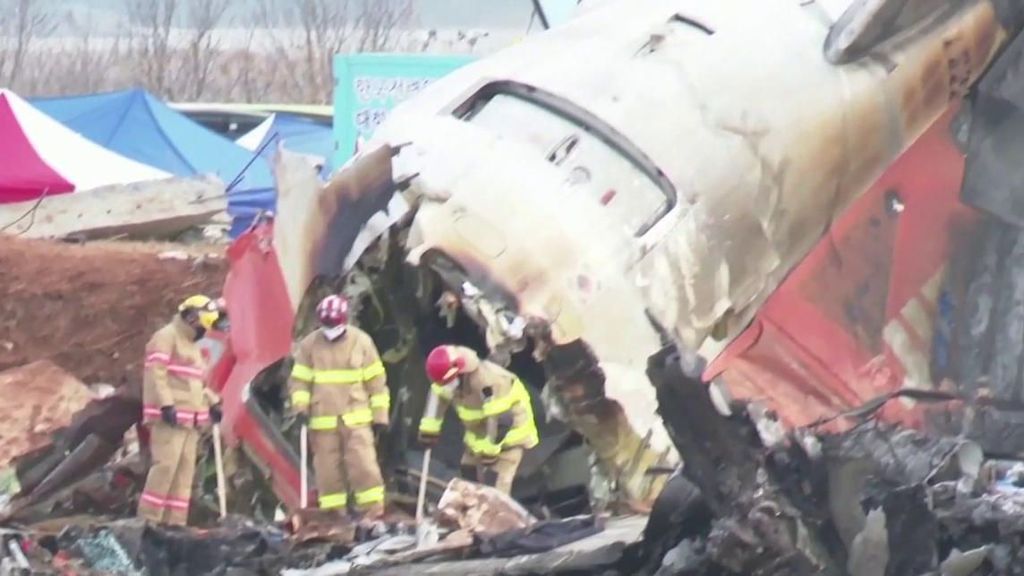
295,134
136,124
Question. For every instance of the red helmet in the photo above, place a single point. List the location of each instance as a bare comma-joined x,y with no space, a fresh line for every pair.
443,365
332,311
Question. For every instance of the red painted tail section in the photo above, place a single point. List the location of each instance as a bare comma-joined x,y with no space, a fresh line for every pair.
261,333
856,318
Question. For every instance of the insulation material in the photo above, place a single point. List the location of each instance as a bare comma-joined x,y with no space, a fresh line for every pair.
480,509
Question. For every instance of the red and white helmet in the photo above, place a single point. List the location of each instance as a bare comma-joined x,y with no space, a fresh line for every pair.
444,365
333,311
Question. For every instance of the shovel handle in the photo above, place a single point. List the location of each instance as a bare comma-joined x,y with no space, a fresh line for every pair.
420,500
303,468
218,455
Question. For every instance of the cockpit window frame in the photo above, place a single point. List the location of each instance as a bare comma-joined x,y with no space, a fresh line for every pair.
588,122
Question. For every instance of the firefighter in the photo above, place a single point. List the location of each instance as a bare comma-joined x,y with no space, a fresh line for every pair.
494,407
339,388
176,406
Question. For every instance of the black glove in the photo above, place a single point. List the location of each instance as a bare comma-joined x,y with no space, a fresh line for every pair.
379,429
169,415
302,419
216,414
505,423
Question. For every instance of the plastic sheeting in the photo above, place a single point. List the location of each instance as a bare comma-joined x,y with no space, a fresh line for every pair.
42,157
136,124
293,133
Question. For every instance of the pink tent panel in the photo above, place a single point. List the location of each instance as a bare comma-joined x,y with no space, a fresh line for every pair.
39,155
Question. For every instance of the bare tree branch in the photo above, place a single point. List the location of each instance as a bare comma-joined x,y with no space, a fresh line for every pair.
327,27
187,49
152,22
23,22
279,67
204,16
379,22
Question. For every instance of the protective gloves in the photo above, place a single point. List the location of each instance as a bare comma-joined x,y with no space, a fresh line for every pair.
169,415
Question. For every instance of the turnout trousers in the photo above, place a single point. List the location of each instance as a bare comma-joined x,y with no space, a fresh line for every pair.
345,461
500,474
168,490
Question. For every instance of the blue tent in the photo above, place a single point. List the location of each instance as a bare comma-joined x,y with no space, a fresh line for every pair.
294,133
136,124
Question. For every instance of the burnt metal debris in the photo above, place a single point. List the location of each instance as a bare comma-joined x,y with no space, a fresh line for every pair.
876,499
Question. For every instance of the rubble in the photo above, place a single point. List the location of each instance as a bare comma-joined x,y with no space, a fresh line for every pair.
38,399
876,499
154,209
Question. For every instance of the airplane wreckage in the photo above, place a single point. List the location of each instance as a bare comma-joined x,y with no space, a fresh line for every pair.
779,241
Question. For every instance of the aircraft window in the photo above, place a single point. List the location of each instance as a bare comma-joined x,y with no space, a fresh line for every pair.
617,175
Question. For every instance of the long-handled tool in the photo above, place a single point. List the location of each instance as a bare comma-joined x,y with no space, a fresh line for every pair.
421,499
303,467
426,532
218,455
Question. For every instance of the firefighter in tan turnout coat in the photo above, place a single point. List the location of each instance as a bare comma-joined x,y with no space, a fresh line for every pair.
176,406
338,385
494,407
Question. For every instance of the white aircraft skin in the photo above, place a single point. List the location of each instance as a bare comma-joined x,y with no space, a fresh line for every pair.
709,146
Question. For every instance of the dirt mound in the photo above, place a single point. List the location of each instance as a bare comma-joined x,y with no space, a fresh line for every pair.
91,308
40,398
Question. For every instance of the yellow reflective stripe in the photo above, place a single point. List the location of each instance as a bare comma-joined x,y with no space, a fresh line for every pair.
469,414
525,434
440,391
373,370
517,394
301,398
357,417
323,423
335,500
351,419
381,401
481,445
338,376
302,372
430,425
370,496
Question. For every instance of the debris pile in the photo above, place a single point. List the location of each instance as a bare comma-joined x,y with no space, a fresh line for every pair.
480,509
43,399
875,499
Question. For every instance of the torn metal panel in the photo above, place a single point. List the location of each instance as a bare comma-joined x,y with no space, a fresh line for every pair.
562,217
155,209
987,342
297,191
868,24
325,223
971,342
857,316
765,210
737,196
766,505
38,400
996,129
